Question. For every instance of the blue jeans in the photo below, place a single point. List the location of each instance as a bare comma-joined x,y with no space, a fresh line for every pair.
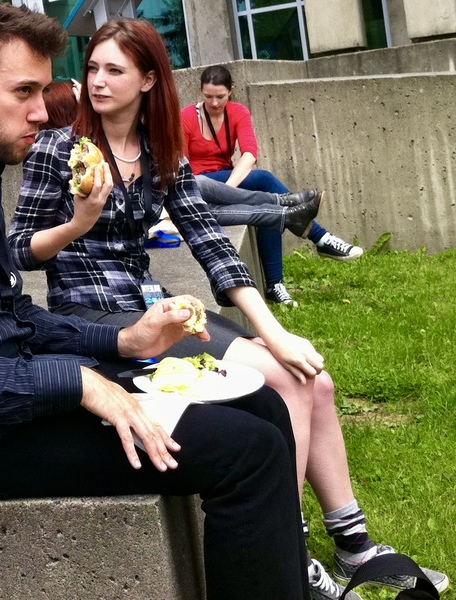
269,241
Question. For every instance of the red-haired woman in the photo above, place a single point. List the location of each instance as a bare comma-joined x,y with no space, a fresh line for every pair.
97,266
61,104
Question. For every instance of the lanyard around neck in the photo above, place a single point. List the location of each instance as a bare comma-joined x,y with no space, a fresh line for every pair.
214,135
147,189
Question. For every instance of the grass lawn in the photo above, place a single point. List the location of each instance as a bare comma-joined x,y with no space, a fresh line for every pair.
386,325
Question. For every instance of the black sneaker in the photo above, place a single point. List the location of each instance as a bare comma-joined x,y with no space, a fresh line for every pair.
295,198
298,219
278,293
337,249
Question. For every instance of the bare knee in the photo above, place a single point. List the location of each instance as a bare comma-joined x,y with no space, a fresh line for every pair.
324,392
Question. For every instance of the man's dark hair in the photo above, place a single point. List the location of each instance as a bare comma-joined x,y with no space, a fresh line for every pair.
44,35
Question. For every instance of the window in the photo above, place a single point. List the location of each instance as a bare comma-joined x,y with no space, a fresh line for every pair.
376,19
271,29
168,17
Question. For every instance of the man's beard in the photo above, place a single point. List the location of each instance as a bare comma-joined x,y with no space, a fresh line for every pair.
8,156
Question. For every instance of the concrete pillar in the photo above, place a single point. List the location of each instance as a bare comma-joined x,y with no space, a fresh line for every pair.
209,32
339,26
426,19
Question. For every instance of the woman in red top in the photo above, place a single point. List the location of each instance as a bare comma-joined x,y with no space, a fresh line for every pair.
212,128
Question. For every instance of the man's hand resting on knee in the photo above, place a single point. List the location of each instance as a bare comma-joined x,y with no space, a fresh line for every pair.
111,402
159,329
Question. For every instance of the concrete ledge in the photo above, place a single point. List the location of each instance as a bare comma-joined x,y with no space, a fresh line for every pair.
140,547
383,148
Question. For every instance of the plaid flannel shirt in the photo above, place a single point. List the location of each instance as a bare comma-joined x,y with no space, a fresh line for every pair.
104,268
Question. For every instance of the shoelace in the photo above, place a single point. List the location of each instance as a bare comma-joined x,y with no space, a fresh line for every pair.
324,583
338,244
281,292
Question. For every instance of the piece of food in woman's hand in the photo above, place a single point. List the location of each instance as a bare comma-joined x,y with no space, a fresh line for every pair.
84,158
197,321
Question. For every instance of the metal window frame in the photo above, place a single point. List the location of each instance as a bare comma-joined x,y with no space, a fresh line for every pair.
249,12
386,19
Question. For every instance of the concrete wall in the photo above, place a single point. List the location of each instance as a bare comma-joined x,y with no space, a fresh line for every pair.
133,547
425,57
383,147
427,19
339,26
210,31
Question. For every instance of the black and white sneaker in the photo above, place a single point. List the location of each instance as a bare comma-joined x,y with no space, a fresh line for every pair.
335,248
278,293
322,587
344,571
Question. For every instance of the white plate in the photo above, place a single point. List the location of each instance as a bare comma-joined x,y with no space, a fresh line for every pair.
240,380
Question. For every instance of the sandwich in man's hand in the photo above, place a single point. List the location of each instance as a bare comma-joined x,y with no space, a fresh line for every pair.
196,323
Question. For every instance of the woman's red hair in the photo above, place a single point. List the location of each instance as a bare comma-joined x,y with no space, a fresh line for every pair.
160,108
61,105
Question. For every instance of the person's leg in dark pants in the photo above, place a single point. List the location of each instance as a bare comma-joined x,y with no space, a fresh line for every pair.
269,241
238,456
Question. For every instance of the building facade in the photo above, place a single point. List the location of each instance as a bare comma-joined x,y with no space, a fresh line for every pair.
199,32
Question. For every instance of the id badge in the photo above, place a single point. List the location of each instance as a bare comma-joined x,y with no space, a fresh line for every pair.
151,291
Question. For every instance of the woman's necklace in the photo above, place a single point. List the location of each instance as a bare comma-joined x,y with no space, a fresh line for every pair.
127,160
130,161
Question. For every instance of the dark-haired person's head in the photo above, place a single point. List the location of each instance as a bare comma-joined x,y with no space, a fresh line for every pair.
28,42
216,88
61,105
42,34
217,75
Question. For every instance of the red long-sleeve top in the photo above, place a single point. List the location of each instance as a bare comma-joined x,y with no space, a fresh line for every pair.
205,155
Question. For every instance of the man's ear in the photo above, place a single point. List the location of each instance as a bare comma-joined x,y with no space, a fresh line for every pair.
149,81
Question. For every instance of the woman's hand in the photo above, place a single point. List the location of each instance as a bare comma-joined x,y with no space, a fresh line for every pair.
241,169
159,329
297,355
87,210
47,243
294,353
111,402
